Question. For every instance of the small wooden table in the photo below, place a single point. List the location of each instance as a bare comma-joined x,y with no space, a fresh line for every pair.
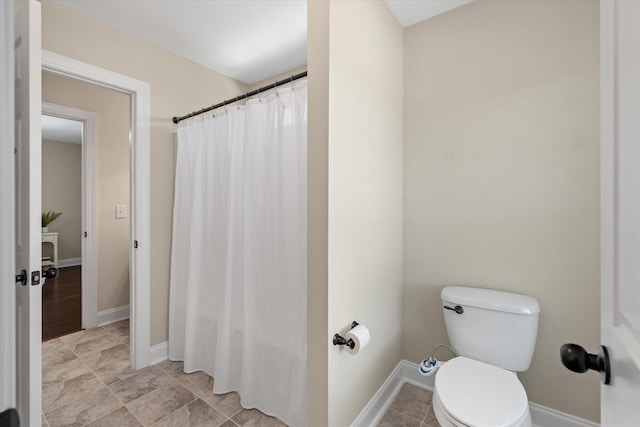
51,237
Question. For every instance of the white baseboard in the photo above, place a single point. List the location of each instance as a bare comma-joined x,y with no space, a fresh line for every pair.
69,262
380,402
407,372
159,352
548,417
113,315
404,372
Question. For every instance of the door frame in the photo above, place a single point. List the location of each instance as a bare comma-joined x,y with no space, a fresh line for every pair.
88,203
7,211
618,156
139,190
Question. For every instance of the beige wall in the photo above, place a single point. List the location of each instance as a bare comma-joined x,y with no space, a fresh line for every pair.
501,176
178,86
112,179
62,192
364,199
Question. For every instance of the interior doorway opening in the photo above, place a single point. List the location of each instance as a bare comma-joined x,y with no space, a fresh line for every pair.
138,99
65,141
93,230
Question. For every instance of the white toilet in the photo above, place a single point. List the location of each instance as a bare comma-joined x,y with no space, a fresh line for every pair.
494,334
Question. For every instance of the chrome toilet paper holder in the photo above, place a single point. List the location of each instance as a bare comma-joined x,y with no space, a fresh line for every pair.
340,340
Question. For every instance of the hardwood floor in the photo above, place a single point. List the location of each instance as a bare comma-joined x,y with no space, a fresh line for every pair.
62,303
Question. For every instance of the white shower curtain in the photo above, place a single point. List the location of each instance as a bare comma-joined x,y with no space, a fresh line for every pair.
238,287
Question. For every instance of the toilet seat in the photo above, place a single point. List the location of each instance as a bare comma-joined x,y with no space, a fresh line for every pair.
474,393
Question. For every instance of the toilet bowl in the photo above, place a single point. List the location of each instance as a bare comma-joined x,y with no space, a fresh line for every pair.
470,393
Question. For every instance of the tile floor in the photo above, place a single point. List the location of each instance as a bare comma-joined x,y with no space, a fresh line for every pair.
411,408
87,381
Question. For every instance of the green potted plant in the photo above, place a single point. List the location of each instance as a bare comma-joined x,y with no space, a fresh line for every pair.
47,218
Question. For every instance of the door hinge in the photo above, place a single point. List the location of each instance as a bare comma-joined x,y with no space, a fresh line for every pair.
85,234
135,244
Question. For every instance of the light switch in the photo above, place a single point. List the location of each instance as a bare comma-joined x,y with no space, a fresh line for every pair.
121,211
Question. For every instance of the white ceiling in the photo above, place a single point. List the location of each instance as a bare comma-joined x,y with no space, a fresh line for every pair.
245,39
248,40
61,130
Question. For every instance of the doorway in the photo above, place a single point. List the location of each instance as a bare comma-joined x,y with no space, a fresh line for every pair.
104,227
63,145
139,189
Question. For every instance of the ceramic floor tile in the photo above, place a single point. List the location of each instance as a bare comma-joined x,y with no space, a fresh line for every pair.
120,417
412,401
107,356
115,372
83,411
76,367
157,404
52,345
98,344
195,414
394,419
59,393
82,336
146,381
119,329
228,404
56,356
255,418
431,420
63,371
175,369
197,382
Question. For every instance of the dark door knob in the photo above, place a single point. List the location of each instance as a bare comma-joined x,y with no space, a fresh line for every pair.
50,273
576,359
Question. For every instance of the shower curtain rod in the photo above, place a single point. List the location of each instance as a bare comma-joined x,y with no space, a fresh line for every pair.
177,120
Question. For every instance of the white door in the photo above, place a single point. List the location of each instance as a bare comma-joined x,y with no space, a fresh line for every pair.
620,213
28,183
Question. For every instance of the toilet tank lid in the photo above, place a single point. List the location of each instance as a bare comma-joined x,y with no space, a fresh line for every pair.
490,299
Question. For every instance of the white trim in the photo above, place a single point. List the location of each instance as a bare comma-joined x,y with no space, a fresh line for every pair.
407,372
112,315
544,416
89,208
7,211
73,262
411,375
159,352
380,402
140,271
28,224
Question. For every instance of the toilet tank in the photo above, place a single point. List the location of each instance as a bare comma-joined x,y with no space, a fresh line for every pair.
496,327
